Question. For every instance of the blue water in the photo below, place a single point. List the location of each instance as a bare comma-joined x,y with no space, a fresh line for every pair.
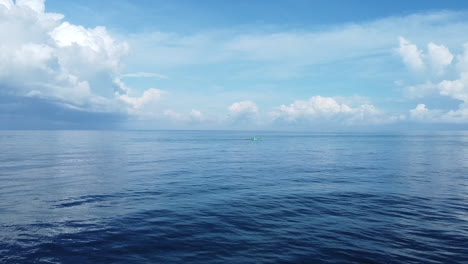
215,197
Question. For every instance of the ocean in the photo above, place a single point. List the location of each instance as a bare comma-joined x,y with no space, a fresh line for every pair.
218,197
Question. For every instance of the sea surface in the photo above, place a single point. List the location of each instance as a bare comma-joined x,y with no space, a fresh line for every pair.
217,197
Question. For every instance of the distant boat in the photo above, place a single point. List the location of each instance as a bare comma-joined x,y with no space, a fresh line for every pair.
256,139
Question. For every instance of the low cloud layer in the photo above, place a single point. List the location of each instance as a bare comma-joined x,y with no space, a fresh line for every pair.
18,112
328,110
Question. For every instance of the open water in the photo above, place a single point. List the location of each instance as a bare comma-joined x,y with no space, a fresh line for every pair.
217,197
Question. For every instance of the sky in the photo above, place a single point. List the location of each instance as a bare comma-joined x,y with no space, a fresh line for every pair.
235,65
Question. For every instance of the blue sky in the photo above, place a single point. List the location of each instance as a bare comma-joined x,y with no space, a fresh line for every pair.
333,65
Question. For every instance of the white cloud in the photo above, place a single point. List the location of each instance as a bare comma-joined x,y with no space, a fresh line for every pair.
439,56
327,109
33,56
56,59
412,56
243,110
36,5
33,93
453,88
196,115
6,3
422,114
422,90
122,87
456,89
43,55
85,52
38,51
149,96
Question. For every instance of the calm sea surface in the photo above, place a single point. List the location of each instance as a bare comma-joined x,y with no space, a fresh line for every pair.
216,197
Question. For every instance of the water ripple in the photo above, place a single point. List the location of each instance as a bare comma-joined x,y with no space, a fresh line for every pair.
212,197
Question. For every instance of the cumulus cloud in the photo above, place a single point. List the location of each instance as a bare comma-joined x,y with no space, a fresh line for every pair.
439,56
150,95
87,53
457,89
243,110
6,3
412,56
422,114
196,115
43,56
327,109
36,5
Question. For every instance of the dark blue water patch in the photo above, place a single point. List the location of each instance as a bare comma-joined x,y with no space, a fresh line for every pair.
84,200
214,197
257,230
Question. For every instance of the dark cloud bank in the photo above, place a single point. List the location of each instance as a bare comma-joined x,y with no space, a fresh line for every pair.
18,112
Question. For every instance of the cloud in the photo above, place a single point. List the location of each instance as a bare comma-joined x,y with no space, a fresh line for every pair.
36,5
34,112
45,59
149,96
6,3
42,55
439,56
243,110
196,115
422,114
329,110
287,48
87,53
144,75
421,90
126,95
411,55
457,89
